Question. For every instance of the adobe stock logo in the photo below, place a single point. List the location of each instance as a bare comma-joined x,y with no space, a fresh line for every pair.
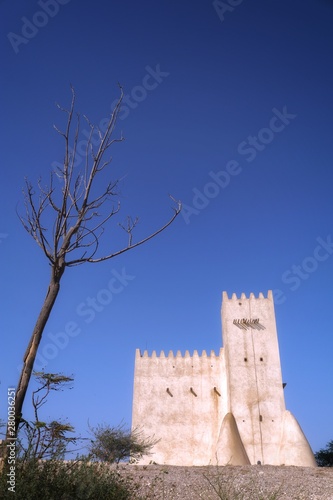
88,310
294,276
30,28
3,236
249,148
265,135
151,80
222,7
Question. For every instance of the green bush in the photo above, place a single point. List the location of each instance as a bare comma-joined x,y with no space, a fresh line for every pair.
324,457
116,444
56,480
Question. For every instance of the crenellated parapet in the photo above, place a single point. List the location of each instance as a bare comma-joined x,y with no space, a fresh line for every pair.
178,355
178,364
250,297
248,313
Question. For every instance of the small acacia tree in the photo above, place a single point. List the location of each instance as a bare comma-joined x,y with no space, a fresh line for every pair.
67,218
42,439
114,444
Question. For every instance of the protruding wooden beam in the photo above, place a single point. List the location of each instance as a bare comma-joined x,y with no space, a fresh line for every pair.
169,392
194,394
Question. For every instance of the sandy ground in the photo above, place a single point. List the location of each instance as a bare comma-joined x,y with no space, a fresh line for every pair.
241,483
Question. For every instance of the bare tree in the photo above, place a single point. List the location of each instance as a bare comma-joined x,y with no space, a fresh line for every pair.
68,218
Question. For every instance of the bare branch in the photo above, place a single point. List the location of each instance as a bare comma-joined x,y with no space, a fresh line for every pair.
177,211
130,225
31,222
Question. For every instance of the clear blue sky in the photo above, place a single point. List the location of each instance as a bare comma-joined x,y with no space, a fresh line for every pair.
231,112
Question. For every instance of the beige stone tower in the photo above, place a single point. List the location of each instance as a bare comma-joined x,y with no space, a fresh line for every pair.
227,408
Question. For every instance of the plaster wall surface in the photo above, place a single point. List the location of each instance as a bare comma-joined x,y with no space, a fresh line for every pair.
181,400
254,379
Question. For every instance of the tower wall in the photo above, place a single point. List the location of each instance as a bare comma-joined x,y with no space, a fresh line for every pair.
180,400
255,388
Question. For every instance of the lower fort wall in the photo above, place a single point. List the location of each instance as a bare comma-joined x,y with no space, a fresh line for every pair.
182,401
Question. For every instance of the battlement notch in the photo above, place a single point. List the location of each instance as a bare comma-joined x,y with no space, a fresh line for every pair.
244,297
171,355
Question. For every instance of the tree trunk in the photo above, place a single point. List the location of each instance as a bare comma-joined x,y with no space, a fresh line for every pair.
31,352
30,355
